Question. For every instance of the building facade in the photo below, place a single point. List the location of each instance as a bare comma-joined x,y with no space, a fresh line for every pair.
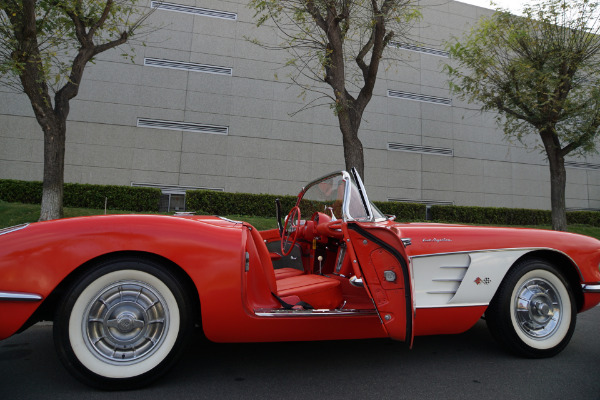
201,107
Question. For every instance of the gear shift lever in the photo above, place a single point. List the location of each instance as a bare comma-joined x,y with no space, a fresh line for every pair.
320,258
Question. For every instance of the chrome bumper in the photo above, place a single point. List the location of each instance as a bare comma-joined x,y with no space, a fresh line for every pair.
19,296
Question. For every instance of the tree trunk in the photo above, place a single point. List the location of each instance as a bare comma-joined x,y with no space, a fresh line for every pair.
558,177
349,123
353,153
54,168
558,183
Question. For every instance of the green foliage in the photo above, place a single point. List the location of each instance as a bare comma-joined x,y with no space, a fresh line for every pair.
221,203
313,33
116,197
15,191
45,46
591,218
490,215
12,214
403,211
260,223
263,205
84,195
18,213
59,28
508,216
540,72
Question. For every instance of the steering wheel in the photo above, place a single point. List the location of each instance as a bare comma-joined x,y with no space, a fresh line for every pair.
290,231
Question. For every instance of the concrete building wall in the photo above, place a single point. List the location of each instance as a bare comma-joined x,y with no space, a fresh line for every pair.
415,150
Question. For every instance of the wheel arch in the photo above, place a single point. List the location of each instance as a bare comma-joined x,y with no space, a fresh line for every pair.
565,265
47,309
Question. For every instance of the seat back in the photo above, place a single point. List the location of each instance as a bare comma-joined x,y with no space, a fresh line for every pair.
265,258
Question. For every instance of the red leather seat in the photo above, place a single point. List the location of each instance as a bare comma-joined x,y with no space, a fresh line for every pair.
316,290
282,273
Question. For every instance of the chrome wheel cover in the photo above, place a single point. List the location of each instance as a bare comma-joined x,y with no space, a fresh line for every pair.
125,322
537,308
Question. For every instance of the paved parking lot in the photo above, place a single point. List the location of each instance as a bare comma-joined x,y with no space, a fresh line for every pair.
467,366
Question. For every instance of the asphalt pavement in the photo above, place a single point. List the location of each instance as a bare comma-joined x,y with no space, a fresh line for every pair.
466,366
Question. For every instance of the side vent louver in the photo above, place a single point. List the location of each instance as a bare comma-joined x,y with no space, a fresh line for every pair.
182,126
419,49
193,10
411,148
437,278
419,97
209,69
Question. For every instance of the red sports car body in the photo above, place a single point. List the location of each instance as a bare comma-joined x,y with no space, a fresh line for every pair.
125,291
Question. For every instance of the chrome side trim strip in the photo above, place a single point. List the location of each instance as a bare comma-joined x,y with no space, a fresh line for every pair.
591,288
442,292
312,313
453,306
18,296
528,249
13,229
230,220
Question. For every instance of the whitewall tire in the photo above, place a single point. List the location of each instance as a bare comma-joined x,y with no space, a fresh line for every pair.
123,324
533,313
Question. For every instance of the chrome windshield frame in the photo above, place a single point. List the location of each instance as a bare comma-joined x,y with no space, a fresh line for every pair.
348,179
363,194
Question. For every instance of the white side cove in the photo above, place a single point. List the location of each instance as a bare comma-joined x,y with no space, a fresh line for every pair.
460,279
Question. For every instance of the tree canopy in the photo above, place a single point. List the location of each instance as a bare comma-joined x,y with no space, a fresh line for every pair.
541,73
44,48
339,43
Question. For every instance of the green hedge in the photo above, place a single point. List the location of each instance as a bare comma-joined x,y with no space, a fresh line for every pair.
584,218
20,191
222,203
85,196
403,211
508,216
263,205
117,197
490,215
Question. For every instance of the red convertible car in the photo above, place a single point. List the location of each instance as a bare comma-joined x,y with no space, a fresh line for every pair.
125,292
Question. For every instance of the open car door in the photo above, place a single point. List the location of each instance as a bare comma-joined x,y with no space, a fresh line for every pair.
379,259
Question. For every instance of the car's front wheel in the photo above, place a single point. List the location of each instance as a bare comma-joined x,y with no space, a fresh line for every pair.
533,313
123,324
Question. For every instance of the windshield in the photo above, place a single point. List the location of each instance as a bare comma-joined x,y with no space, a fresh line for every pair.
336,194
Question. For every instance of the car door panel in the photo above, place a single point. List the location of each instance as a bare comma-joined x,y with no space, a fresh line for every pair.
382,264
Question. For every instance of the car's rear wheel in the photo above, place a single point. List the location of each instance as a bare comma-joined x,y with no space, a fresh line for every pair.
123,324
533,313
